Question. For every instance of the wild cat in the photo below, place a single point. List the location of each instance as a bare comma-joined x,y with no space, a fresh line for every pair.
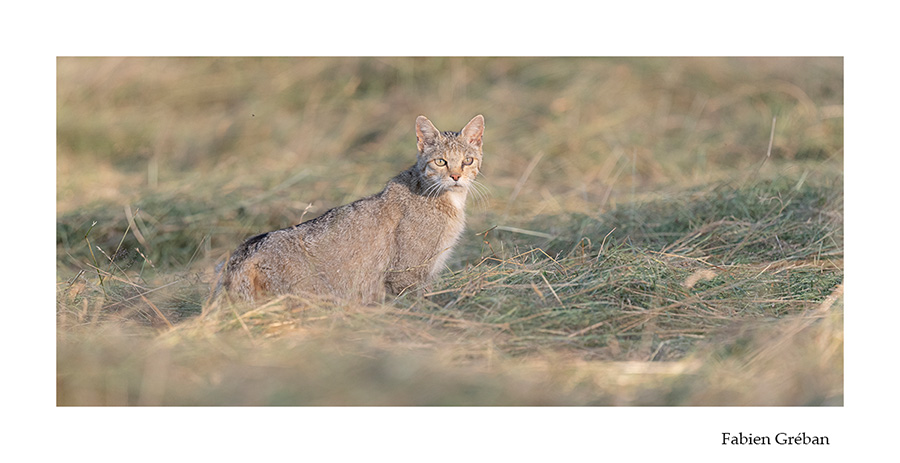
392,242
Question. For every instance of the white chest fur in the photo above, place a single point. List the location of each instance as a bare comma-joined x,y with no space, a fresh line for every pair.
458,199
453,230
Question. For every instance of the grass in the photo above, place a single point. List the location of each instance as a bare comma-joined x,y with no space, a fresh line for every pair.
649,238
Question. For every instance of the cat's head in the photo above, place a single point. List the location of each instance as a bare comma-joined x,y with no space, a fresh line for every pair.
449,160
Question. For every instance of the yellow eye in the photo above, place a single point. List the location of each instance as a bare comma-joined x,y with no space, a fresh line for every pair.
468,161
440,162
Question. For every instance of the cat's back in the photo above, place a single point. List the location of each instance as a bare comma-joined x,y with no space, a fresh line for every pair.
332,253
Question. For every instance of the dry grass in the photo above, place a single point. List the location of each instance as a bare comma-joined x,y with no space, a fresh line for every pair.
649,239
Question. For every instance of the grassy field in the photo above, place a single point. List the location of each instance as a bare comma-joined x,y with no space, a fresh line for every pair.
658,231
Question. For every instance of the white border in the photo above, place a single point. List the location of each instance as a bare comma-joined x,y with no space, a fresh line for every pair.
40,33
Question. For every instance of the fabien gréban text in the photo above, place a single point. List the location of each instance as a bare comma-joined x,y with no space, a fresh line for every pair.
781,438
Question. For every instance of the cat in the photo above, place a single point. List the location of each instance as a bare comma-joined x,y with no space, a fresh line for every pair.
392,242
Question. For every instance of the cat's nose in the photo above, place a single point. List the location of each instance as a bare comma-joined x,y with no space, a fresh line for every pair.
455,177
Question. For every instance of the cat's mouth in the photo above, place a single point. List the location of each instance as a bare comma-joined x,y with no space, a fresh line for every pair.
450,186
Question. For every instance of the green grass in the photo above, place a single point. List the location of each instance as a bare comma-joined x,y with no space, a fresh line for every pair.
638,246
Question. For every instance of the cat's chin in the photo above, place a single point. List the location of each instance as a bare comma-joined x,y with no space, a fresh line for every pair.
458,188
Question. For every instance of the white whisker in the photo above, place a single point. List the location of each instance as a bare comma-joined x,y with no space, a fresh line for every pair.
434,190
481,193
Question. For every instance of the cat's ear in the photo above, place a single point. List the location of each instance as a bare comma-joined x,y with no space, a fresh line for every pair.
472,132
426,133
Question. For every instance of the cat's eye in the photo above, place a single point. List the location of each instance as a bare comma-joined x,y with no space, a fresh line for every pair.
440,162
468,161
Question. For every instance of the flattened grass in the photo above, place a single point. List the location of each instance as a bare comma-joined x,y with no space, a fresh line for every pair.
653,288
